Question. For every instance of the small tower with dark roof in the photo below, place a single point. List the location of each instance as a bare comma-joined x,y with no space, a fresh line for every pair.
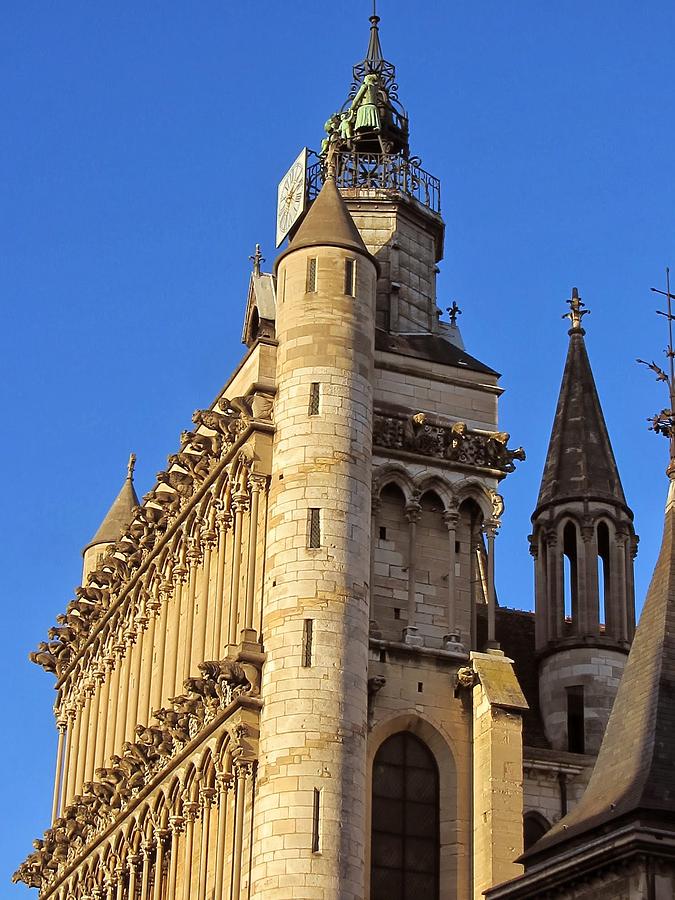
118,517
619,841
583,542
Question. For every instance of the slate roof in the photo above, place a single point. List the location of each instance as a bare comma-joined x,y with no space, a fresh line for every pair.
432,347
118,516
580,462
634,776
327,224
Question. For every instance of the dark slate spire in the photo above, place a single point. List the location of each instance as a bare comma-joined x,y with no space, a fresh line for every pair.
327,224
634,776
119,514
580,463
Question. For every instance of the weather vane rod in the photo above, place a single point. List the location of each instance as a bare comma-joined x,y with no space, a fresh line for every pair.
664,421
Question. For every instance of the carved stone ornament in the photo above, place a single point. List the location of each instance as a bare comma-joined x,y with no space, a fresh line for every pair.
453,442
219,684
187,470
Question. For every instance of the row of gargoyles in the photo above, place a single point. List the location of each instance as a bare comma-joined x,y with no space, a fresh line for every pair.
187,469
219,682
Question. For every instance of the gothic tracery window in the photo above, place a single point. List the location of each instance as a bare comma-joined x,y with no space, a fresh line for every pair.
405,814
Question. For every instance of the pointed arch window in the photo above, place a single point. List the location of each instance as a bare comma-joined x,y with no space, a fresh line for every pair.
405,814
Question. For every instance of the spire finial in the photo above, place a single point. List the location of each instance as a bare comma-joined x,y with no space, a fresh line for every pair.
131,465
374,56
453,311
576,313
257,259
664,421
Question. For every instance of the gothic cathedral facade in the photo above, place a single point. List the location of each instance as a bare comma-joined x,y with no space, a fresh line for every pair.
286,673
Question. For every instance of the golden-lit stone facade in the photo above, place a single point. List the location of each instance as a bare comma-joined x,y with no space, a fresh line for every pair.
286,673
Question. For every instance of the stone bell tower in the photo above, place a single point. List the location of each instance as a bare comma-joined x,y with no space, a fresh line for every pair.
583,542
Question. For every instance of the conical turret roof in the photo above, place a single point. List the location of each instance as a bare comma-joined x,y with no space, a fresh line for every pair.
580,462
634,775
119,514
327,224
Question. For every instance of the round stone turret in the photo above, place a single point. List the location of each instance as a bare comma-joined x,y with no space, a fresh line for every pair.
312,775
583,543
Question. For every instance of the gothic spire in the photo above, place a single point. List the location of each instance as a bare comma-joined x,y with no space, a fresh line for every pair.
119,514
633,775
580,463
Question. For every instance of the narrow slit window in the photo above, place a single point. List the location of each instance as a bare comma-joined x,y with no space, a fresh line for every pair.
575,719
314,399
383,533
350,277
316,821
307,636
314,529
311,275
283,286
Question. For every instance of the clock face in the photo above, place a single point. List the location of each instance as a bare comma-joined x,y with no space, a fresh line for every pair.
291,196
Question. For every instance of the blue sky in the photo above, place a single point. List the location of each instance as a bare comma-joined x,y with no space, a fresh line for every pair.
140,148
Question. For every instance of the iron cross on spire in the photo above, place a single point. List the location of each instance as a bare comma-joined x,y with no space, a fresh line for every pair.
576,313
664,422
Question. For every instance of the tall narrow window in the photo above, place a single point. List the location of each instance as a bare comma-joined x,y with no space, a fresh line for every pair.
316,821
575,719
314,398
311,275
307,636
314,529
603,572
571,573
405,836
350,277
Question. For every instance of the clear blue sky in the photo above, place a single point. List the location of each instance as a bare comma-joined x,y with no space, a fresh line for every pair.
140,148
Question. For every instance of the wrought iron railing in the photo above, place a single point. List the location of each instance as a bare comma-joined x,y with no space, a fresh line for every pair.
379,171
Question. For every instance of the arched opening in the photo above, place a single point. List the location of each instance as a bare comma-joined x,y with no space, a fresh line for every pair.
389,610
431,570
603,571
570,574
471,571
405,840
535,826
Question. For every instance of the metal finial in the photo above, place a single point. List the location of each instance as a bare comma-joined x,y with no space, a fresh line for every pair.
257,259
131,465
664,421
576,313
453,311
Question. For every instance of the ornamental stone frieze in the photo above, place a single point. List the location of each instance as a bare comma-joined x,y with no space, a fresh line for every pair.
218,431
221,688
451,442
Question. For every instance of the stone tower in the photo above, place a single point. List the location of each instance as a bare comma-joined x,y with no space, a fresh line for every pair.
619,841
312,768
583,543
282,676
